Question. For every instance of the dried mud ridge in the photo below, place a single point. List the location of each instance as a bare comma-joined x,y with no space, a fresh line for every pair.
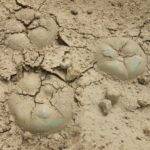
57,76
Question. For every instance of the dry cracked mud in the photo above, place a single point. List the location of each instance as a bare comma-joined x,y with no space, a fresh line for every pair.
55,94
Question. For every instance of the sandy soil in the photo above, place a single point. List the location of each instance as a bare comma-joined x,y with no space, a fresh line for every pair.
54,39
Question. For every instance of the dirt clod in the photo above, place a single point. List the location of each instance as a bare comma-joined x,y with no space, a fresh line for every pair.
74,12
146,131
105,106
113,95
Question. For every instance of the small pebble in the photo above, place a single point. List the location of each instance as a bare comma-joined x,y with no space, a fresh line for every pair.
143,103
72,74
74,12
143,80
113,95
146,131
105,106
89,12
26,135
65,64
79,91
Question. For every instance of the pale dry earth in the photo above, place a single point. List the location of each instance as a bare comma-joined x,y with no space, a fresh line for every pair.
67,58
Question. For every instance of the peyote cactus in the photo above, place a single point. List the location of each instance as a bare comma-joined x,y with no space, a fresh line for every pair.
120,57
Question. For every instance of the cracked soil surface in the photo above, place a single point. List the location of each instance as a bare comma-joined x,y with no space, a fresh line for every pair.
49,81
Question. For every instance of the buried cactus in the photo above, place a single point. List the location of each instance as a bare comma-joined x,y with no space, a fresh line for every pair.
30,29
120,57
41,106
